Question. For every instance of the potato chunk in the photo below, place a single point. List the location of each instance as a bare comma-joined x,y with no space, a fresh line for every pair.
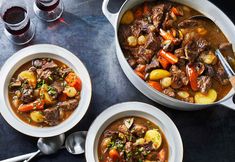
154,136
37,116
159,74
208,98
29,76
45,96
127,18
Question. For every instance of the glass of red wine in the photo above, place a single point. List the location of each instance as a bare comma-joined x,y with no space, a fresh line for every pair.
48,10
18,27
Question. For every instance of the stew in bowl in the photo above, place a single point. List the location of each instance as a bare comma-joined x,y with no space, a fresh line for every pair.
44,92
174,54
132,139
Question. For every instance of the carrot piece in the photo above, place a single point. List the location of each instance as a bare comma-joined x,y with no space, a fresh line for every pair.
140,68
155,85
163,62
168,36
169,57
113,154
162,155
177,11
38,105
74,81
193,75
140,74
138,13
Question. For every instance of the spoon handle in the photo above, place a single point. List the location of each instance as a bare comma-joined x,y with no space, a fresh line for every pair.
30,158
19,158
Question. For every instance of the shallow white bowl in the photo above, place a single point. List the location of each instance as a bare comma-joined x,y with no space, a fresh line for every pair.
137,109
42,51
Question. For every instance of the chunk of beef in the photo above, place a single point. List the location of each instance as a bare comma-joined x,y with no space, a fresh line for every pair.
179,52
227,50
204,83
209,71
221,75
153,65
58,86
139,130
49,65
153,43
69,104
158,15
179,77
135,30
132,62
191,51
52,116
143,25
122,128
46,75
168,22
202,45
27,95
64,72
144,56
124,32
169,92
188,23
111,133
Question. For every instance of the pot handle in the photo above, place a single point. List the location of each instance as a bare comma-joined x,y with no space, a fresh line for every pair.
229,103
110,16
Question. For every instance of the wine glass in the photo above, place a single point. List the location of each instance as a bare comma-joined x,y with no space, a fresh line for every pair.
48,10
18,27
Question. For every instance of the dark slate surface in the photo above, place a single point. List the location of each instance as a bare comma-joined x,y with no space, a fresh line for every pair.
208,135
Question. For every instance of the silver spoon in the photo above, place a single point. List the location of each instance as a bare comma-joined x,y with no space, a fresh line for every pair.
48,146
75,144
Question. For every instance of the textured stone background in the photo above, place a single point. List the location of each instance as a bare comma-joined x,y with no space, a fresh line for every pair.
208,135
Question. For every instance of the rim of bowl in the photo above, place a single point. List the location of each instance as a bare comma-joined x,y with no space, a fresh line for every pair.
138,109
220,14
41,51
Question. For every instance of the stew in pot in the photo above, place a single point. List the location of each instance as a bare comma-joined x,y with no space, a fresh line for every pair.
174,54
44,92
132,139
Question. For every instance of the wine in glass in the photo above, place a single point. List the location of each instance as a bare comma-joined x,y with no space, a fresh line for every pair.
18,27
48,10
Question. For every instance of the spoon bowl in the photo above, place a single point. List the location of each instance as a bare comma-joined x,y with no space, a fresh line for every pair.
50,145
75,142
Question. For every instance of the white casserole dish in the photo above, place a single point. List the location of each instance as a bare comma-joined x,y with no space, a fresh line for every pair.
203,6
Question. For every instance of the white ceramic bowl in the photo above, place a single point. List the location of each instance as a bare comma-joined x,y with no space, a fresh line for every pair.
42,51
134,109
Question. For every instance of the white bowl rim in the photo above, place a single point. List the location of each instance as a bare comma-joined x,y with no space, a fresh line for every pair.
52,51
137,107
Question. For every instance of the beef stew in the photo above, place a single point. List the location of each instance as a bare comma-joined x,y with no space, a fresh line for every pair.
174,54
44,92
132,139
